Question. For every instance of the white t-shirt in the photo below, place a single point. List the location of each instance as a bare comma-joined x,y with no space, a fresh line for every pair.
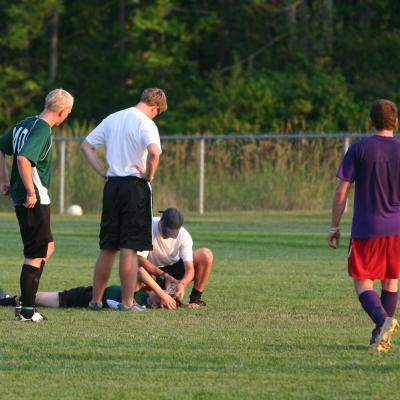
126,134
169,251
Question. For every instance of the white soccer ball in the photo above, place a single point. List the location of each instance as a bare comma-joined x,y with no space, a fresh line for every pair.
75,210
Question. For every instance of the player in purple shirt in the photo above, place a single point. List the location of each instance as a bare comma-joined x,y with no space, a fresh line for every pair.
373,164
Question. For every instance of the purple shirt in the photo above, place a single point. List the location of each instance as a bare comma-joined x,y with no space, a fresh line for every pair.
374,164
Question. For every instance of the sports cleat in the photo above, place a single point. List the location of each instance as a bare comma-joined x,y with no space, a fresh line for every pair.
36,317
95,306
133,307
200,302
7,300
374,336
384,337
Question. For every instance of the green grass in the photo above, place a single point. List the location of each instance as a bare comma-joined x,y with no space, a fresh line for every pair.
282,322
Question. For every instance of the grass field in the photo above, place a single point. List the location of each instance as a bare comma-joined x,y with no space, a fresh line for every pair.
282,322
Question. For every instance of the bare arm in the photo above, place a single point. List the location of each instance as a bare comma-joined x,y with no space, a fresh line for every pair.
338,206
187,278
152,269
25,172
90,152
4,180
153,157
166,300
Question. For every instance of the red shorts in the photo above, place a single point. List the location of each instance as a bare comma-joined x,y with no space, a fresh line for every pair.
374,258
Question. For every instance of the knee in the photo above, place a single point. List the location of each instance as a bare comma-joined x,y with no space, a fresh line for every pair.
204,256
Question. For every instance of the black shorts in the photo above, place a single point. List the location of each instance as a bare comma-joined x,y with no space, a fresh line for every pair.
76,297
126,220
176,270
34,225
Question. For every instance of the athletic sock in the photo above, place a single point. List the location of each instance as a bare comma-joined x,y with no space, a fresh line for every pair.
29,282
372,305
389,301
37,280
195,295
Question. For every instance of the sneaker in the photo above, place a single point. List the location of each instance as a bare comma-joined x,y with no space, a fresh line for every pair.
200,302
374,336
133,307
7,300
385,335
36,317
95,306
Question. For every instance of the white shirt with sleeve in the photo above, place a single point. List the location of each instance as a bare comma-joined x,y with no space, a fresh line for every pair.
126,135
169,251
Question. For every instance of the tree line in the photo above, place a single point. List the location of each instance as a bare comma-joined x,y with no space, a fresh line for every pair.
227,66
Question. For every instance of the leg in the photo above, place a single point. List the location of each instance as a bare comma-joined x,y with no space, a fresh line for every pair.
370,300
38,246
203,262
128,275
102,272
47,299
389,295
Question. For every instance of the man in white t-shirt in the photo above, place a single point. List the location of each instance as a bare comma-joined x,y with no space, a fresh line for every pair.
173,256
132,150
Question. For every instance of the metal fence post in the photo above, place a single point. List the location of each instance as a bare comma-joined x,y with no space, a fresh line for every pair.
62,176
201,176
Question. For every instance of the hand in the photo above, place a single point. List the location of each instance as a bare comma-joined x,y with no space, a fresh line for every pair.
334,238
169,280
141,170
31,200
180,291
5,188
168,302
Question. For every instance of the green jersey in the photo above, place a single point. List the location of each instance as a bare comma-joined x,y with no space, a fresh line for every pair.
30,138
114,292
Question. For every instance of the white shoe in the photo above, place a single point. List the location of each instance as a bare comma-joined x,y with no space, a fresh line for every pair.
36,317
133,307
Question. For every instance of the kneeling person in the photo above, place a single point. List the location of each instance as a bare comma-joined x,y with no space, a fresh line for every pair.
173,256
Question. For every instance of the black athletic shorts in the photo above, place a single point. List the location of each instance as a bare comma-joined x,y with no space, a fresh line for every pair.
126,220
176,270
78,297
34,225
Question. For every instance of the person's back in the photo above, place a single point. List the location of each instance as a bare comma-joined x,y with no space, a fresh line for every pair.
133,151
374,251
374,164
29,142
126,134
38,151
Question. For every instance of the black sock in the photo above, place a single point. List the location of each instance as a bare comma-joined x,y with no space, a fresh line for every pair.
29,282
195,295
38,277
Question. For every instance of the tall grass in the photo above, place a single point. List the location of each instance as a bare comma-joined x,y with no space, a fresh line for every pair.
239,174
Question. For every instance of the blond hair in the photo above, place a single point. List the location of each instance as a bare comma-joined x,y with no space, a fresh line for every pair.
58,99
155,97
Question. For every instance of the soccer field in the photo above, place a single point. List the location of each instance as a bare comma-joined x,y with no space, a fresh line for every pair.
281,322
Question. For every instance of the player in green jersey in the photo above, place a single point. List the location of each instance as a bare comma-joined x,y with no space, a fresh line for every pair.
80,296
29,143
